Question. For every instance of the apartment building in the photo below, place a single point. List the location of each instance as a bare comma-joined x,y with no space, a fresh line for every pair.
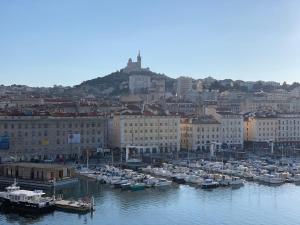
261,128
289,129
282,129
232,129
200,133
146,131
184,84
50,137
182,107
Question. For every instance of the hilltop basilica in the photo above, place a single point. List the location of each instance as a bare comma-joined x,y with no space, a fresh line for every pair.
135,66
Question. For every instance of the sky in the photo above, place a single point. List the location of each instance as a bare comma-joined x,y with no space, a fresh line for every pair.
65,42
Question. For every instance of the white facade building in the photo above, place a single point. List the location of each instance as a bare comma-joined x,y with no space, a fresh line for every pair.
146,132
282,129
232,129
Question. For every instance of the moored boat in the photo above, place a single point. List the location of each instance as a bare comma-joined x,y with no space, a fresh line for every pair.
236,181
179,178
17,200
162,183
137,186
74,206
209,183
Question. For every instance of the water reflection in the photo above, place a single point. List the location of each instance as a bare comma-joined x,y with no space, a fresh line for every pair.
184,205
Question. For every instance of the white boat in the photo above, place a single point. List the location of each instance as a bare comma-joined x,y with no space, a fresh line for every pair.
151,181
236,181
271,179
224,181
209,183
17,200
194,179
162,183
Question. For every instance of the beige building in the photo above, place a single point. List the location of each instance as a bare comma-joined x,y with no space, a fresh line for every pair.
48,137
282,129
147,131
200,133
261,128
231,127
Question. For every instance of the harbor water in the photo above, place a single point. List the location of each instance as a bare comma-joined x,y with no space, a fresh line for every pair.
252,204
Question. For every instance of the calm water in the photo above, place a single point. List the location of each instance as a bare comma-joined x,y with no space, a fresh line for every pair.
183,205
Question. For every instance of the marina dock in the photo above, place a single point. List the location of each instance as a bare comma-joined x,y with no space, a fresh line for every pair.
74,206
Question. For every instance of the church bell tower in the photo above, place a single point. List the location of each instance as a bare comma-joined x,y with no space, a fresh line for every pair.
139,60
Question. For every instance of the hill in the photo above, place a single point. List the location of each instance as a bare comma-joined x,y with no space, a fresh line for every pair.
116,83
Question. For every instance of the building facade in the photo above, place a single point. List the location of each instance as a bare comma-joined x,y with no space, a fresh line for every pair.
200,133
232,130
261,128
146,132
231,127
280,129
184,84
48,137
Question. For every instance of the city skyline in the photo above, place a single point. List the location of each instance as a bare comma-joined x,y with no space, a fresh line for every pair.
69,43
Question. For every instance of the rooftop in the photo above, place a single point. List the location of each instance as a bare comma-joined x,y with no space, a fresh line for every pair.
36,165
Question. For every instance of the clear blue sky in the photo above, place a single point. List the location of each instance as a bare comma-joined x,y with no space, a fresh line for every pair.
68,41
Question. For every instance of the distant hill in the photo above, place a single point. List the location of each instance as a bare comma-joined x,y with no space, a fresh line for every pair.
116,83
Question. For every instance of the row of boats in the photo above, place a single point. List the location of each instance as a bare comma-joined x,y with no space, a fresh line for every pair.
202,173
158,177
196,176
125,179
264,171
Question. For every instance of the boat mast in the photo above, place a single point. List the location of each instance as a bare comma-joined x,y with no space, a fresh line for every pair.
87,158
54,184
